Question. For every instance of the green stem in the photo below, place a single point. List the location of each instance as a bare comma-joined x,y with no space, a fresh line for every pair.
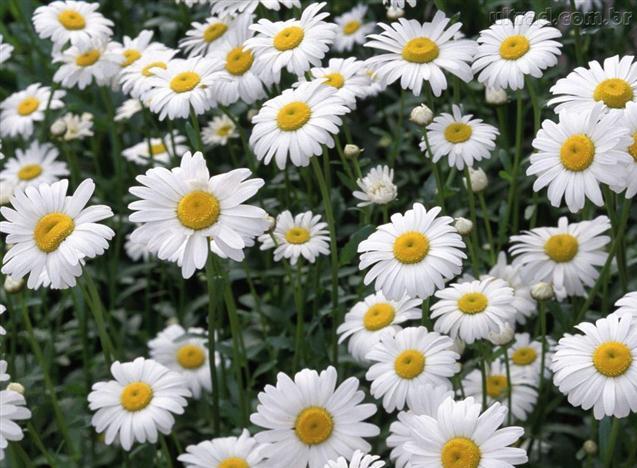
212,280
97,308
440,188
612,440
511,208
399,129
578,40
298,303
483,374
198,144
473,253
507,367
487,224
166,451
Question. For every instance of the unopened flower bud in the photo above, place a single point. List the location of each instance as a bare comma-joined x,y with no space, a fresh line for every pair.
16,387
12,285
590,447
384,141
393,13
479,180
495,96
464,226
503,336
58,127
421,115
352,151
542,291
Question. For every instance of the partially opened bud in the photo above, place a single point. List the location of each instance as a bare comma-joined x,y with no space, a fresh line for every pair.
479,180
542,291
421,115
16,387
12,285
352,151
495,96
590,447
393,13
464,226
503,336
58,127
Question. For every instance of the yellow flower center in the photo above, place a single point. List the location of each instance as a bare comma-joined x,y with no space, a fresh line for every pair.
524,356
632,149
28,106
233,462
198,210
185,81
239,61
577,153
29,171
420,50
612,358
293,116
136,396
458,132
214,32
88,58
409,364
614,92
514,47
156,149
51,230
460,452
225,130
130,56
561,248
473,303
146,71
411,247
71,20
191,356
496,385
351,27
335,80
297,235
379,316
288,38
314,425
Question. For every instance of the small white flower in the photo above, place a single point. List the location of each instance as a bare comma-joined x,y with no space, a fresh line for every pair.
421,115
12,409
377,187
155,151
219,130
495,96
35,165
204,38
352,28
76,127
21,110
224,452
81,65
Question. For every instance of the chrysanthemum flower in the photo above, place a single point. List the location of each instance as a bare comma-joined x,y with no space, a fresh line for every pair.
144,394
510,50
12,409
309,420
630,184
132,49
73,126
359,460
419,52
5,50
404,362
461,138
219,130
348,76
224,452
598,369
414,254
377,187
352,28
229,7
627,305
135,79
157,150
564,256
22,109
34,166
204,38
81,65
53,234
525,355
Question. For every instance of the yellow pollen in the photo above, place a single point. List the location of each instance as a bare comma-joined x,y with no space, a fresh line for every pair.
198,210
632,149
130,56
473,303
409,364
335,80
146,71
577,153
191,356
514,47
29,171
87,58
614,92
524,356
379,316
51,230
136,396
411,247
496,385
314,425
156,149
561,248
460,452
239,61
71,20
351,27
233,462
214,32
28,106
458,132
420,50
297,235
293,116
225,130
185,81
612,358
288,38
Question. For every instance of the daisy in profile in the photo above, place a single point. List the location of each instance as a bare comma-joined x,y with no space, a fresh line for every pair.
132,49
73,126
183,210
34,166
377,187
577,154
461,138
292,44
459,435
526,355
5,50
157,150
565,256
224,452
470,311
69,21
598,368
627,305
419,52
20,111
183,85
352,28
219,131
81,65
372,318
310,420
143,394
127,109
524,305
510,50
303,235
414,254
12,409
348,76
203,38
53,234
230,7
135,79
359,460
296,123
613,85
630,185
404,362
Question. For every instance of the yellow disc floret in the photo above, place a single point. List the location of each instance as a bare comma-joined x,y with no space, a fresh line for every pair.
561,248
233,462
314,425
420,50
198,210
288,38
458,132
524,356
28,106
191,356
497,385
214,31
460,452
514,47
293,116
147,70
577,152
130,56
185,81
336,80
297,235
239,61
136,396
379,316
51,230
351,27
411,247
71,20
29,171
614,92
87,58
612,358
473,303
409,364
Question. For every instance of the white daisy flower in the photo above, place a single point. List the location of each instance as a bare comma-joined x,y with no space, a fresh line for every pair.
186,213
630,183
414,254
348,76
310,420
218,131
69,21
127,109
224,452
228,7
293,44
377,187
296,123
352,28
12,409
459,435
598,369
303,235
136,251
509,50
132,49
21,110
203,38
144,394
372,318
472,310
135,79
614,85
577,154
34,166
565,256
5,50
95,61
74,126
359,460
461,138
525,355
419,52
627,305
524,305
53,233
157,150
376,85
404,362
